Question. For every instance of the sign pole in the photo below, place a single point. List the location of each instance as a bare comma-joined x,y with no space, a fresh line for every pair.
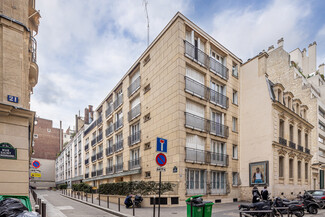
159,193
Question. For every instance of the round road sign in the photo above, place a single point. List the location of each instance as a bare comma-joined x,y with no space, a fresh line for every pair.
161,159
36,164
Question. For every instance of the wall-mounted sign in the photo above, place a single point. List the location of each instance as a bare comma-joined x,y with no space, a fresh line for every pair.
36,164
12,98
161,145
7,151
38,175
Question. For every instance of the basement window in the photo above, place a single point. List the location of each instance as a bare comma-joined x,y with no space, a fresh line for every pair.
147,88
147,174
147,146
146,117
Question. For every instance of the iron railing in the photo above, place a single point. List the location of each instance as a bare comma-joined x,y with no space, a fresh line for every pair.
282,141
119,167
300,148
93,158
100,172
99,155
109,170
219,129
94,173
196,54
109,130
100,120
195,122
33,49
118,145
307,150
134,164
93,142
118,101
92,126
109,110
100,137
292,145
206,157
218,159
219,99
218,68
118,124
134,138
109,150
134,112
134,86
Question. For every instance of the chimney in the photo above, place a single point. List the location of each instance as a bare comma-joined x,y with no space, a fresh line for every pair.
86,116
271,48
91,113
76,123
61,136
321,68
280,42
312,57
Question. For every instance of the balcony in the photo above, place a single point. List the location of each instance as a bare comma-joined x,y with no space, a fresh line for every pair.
218,68
93,158
118,124
92,126
292,145
205,157
99,120
93,174
100,155
33,70
134,164
219,129
282,141
219,99
109,170
86,175
219,159
119,167
300,148
196,88
109,130
100,137
109,151
100,172
93,142
196,54
134,86
109,111
134,112
195,122
118,145
118,102
307,151
135,138
87,161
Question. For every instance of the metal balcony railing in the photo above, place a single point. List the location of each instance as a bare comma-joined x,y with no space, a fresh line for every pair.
196,54
93,142
219,129
218,69
307,150
86,175
33,49
118,145
292,145
100,172
109,130
219,159
93,174
100,120
100,137
219,99
87,161
134,112
206,157
119,167
100,155
109,111
196,88
300,148
195,122
134,86
92,126
93,158
195,155
109,151
134,138
282,141
118,101
118,124
109,170
134,164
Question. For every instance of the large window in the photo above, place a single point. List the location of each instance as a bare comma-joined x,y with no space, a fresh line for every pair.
291,133
306,140
234,124
234,151
306,170
291,168
299,169
321,126
299,137
235,97
196,180
234,179
321,112
281,166
218,182
281,132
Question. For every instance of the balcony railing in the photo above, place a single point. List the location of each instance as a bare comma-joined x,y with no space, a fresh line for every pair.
118,124
100,137
134,112
218,68
93,142
87,175
86,147
92,126
109,130
109,151
93,158
196,54
100,172
195,122
219,99
219,129
33,49
300,148
109,111
100,155
135,138
307,150
118,145
94,173
119,167
87,161
134,86
282,141
118,101
134,164
109,170
292,145
100,120
206,157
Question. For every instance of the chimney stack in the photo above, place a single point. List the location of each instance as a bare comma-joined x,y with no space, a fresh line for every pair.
280,42
77,123
61,136
271,48
321,68
91,113
86,116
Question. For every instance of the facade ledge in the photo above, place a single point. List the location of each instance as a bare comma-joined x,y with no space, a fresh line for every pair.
124,173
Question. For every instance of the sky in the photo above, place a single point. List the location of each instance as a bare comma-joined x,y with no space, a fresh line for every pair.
85,47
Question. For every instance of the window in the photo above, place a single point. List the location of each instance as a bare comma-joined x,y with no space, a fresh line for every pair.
321,126
281,133
279,96
234,179
281,166
306,170
321,112
147,146
195,179
195,108
35,136
291,133
195,142
218,182
299,169
234,124
195,75
235,70
299,137
291,168
147,174
48,130
234,151
321,140
289,102
306,140
235,97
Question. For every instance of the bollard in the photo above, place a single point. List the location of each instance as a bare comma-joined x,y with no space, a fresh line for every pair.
92,197
40,206
37,208
119,208
154,206
78,195
107,201
86,197
82,196
43,209
99,199
133,208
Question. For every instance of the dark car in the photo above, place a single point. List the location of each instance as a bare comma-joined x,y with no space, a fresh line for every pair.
319,195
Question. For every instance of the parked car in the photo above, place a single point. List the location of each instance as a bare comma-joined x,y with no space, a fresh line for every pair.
319,195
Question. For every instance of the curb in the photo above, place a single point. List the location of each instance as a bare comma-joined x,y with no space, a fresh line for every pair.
99,207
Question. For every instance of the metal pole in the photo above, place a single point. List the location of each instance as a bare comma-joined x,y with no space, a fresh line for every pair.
133,208
82,195
154,206
159,193
78,195
40,205
99,199
92,197
191,208
43,209
107,201
86,197
119,208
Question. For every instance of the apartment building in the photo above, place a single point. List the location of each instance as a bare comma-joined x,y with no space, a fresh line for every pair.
19,22
183,88
275,137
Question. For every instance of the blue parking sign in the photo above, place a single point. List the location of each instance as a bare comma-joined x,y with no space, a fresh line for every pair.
161,145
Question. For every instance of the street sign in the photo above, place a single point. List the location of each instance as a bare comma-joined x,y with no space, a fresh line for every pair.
161,159
161,145
38,175
7,151
36,164
161,169
12,99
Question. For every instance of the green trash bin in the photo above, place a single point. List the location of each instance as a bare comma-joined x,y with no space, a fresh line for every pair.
24,199
207,208
200,208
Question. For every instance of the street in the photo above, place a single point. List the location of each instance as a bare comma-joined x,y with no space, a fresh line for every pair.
61,206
